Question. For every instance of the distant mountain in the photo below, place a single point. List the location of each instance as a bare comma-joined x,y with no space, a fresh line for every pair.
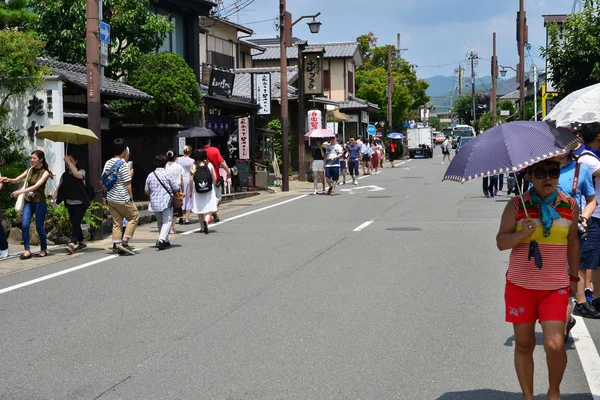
441,88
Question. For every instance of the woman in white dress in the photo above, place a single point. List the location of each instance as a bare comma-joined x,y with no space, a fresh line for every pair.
203,204
176,171
186,162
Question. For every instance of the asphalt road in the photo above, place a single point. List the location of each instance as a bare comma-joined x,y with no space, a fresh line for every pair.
371,294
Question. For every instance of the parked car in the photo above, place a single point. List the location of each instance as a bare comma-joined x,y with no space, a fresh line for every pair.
439,138
463,141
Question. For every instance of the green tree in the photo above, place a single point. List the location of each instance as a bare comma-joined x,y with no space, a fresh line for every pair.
14,14
575,58
463,108
18,70
171,83
135,31
436,123
486,121
372,81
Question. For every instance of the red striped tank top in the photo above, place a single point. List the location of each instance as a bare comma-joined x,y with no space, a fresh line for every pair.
554,273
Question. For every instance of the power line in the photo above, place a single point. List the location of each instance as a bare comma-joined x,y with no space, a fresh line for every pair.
260,22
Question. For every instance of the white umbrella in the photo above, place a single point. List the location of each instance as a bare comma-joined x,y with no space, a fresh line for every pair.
582,106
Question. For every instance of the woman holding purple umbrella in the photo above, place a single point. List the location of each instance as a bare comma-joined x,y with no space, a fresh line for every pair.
540,229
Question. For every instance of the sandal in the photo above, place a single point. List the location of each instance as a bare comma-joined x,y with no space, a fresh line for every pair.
40,255
25,257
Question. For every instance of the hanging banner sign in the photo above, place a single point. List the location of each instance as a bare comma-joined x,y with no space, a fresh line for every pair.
313,77
315,120
244,138
262,88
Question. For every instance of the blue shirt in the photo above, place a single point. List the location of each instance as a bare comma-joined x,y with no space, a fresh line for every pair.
354,152
585,186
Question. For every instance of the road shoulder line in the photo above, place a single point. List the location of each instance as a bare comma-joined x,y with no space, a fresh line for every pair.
588,355
362,226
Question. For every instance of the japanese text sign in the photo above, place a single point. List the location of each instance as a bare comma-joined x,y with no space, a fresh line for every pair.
262,89
313,82
315,120
244,138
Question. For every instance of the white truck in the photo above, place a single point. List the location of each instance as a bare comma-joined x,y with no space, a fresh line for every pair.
417,137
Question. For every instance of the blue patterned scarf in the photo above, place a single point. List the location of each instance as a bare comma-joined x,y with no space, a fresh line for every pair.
548,213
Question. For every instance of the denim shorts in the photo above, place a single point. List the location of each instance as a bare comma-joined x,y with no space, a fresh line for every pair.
332,173
590,246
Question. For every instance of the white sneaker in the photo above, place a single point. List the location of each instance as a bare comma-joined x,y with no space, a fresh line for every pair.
4,254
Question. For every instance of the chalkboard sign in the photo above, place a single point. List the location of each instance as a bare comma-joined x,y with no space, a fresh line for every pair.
244,173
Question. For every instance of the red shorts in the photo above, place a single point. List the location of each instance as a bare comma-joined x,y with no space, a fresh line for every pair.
529,305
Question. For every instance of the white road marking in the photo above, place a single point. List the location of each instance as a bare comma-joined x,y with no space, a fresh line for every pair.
372,188
246,214
54,275
588,354
363,226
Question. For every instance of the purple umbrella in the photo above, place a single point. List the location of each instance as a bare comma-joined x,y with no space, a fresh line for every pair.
508,148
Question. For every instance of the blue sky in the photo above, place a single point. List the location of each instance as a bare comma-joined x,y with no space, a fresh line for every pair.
437,33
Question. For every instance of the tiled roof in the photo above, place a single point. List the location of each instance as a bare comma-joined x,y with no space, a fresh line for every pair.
511,96
356,103
77,75
242,84
332,50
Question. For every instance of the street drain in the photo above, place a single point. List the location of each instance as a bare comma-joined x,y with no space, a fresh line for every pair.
406,229
379,197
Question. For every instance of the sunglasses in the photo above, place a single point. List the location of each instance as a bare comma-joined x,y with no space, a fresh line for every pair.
541,173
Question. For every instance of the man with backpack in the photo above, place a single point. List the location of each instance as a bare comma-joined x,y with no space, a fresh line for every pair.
590,248
216,159
116,181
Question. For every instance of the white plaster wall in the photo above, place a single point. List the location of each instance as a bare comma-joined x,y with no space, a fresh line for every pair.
18,119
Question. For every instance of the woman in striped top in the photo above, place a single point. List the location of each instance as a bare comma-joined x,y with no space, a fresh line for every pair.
540,292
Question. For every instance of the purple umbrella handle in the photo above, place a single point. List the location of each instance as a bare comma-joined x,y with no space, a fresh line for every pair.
520,194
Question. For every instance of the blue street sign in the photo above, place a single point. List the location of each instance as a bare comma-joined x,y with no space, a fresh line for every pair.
371,130
104,32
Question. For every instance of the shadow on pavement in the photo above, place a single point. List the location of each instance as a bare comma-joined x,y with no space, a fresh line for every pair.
539,340
490,394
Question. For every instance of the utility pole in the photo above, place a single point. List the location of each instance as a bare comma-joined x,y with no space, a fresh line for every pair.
460,80
301,112
522,38
390,91
473,57
285,173
534,79
494,84
93,96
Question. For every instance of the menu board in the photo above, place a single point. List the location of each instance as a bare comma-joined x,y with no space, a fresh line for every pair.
244,173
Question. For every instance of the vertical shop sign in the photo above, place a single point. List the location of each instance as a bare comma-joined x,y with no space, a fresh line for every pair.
315,120
244,138
262,85
313,82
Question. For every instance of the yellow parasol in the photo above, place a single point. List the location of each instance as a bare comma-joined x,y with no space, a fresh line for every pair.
68,134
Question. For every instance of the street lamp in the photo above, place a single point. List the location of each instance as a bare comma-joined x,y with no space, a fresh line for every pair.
285,33
503,70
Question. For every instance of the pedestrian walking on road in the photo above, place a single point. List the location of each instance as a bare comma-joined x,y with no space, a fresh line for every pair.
213,155
186,162
353,159
541,232
161,188
116,180
35,200
344,163
177,172
203,177
375,156
318,165
576,181
76,193
590,257
334,154
3,242
446,150
391,152
366,151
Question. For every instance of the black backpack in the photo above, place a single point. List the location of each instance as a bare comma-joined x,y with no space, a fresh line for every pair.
203,179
